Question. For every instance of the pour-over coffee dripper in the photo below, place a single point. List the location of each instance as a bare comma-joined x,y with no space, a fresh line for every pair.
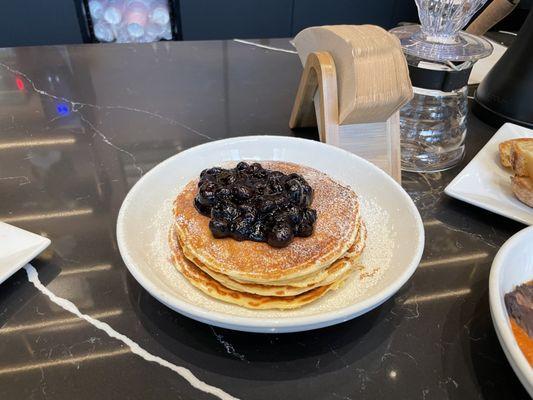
440,58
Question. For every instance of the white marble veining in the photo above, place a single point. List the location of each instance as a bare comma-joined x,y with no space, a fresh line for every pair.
33,277
263,46
77,106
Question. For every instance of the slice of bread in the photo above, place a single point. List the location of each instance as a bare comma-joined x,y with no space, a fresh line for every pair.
521,157
505,150
523,189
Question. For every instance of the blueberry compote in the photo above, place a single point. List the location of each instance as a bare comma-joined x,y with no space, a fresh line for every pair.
249,202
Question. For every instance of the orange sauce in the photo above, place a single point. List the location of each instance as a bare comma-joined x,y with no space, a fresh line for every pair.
524,341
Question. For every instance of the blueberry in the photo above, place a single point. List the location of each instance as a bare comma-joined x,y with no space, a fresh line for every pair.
260,174
241,166
297,177
223,176
282,217
207,193
257,232
214,171
276,176
260,187
231,212
241,193
294,215
202,209
227,178
295,190
250,217
293,184
240,229
223,193
205,179
248,212
309,216
254,168
266,206
281,201
219,228
308,195
268,218
280,235
275,187
217,211
247,209
232,179
304,230
226,211
208,186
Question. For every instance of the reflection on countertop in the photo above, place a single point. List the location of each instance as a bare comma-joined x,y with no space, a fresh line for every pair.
79,125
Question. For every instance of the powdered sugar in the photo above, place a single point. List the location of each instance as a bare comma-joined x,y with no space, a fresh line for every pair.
375,260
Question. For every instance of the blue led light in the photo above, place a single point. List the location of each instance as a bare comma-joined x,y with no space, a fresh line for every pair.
62,109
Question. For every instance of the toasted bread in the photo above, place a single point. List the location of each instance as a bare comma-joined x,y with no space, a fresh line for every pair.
521,157
505,150
523,189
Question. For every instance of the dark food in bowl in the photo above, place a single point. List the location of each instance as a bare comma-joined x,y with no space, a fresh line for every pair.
249,202
519,304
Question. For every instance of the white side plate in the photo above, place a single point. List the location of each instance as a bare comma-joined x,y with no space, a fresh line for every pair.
486,184
512,266
17,248
394,246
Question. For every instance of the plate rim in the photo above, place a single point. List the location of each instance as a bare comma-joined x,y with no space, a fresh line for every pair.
452,192
277,325
499,315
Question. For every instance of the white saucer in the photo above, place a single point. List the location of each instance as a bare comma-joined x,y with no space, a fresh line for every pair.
486,184
394,247
18,247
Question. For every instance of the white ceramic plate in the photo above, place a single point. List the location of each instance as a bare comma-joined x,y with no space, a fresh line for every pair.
17,248
512,266
486,184
394,247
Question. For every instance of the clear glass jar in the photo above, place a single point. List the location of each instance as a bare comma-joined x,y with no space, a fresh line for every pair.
433,127
440,57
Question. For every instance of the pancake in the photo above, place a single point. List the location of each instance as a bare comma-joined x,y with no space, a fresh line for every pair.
336,228
360,242
331,274
353,252
211,287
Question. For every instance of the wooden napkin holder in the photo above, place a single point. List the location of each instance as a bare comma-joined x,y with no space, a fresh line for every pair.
369,125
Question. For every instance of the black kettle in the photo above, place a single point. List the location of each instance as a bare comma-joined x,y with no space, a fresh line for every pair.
506,93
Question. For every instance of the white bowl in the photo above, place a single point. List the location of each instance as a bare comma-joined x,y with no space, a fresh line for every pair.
512,266
394,225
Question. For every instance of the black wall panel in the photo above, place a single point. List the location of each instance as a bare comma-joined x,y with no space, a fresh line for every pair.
385,13
45,22
228,19
37,22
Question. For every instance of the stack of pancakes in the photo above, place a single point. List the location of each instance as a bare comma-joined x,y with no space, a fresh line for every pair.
256,275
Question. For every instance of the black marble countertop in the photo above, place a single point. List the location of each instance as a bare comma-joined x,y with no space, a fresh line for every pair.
79,125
